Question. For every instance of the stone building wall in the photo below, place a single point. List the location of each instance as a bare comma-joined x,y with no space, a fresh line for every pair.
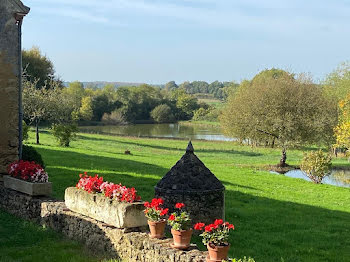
8,88
9,81
128,244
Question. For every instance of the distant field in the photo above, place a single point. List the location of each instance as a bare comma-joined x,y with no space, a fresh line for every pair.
277,218
208,98
212,101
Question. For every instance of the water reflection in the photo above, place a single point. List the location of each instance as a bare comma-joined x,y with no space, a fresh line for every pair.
337,177
162,130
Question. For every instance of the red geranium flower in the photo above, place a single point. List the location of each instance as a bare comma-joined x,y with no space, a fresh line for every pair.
164,211
208,228
218,222
113,191
199,226
171,217
179,205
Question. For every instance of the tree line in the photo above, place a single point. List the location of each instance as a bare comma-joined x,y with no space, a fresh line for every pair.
274,108
217,89
46,99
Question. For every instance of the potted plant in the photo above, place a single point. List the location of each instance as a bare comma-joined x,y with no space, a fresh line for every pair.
28,177
181,230
155,215
215,236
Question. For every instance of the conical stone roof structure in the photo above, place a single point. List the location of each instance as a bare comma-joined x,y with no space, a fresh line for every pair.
189,174
190,182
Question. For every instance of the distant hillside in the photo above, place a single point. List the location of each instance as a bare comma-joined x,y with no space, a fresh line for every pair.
100,84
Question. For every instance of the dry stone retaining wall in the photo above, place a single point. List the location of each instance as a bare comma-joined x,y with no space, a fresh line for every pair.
128,244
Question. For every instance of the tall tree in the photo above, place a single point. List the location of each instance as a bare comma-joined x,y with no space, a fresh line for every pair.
76,91
342,131
279,108
186,104
170,86
38,68
337,83
85,111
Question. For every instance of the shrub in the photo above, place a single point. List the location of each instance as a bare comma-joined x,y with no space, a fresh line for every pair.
64,133
25,129
316,165
30,154
209,114
200,114
114,118
162,114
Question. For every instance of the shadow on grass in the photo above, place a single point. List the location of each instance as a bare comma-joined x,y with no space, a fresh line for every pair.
64,168
266,229
234,152
21,240
269,230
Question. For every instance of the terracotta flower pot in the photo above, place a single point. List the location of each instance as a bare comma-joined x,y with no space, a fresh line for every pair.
217,253
157,228
182,238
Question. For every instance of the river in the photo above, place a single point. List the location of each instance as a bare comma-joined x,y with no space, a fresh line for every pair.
178,130
336,177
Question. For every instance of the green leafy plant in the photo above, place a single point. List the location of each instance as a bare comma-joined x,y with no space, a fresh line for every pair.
316,165
162,114
64,133
30,154
25,129
153,210
179,220
216,233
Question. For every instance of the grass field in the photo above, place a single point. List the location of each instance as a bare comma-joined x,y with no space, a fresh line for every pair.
23,241
276,218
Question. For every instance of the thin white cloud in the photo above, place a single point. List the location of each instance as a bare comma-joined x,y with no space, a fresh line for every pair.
270,16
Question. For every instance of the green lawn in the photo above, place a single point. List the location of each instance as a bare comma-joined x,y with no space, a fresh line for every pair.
277,218
22,241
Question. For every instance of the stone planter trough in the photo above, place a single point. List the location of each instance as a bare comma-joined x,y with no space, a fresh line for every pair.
33,189
99,207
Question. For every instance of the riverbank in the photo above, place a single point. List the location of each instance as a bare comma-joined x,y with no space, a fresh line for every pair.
275,216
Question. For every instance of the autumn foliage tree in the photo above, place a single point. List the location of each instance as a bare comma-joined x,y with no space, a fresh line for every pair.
278,108
342,131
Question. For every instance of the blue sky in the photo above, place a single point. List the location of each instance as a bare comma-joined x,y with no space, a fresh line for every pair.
156,41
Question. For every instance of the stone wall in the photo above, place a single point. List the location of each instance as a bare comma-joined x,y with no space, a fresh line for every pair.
9,81
127,244
203,207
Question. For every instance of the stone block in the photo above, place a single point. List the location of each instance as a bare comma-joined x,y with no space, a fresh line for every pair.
33,189
99,207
